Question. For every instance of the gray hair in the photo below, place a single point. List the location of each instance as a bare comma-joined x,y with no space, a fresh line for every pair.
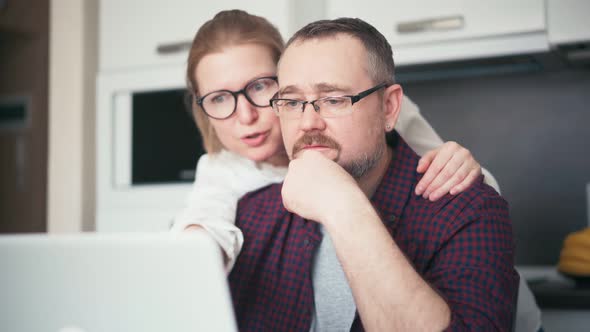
380,65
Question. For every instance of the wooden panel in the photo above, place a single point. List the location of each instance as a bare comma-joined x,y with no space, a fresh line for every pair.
23,151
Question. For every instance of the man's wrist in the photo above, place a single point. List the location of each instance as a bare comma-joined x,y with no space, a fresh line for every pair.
350,208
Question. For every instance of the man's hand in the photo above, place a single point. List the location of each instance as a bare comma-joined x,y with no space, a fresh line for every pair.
449,169
317,188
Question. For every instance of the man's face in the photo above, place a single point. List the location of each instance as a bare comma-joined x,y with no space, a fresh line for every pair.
332,66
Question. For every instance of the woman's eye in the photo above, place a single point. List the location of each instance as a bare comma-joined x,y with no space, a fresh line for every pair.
261,85
218,99
258,87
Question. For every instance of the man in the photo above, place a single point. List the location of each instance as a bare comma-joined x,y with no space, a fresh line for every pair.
343,244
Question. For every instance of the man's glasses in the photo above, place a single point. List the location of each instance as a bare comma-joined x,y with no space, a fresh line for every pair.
327,107
222,104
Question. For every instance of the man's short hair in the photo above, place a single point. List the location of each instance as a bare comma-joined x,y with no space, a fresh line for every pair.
380,66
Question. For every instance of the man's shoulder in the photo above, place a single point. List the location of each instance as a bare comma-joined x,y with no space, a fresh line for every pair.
477,202
267,197
478,214
261,216
481,198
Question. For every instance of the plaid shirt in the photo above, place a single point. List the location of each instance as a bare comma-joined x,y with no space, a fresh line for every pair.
461,245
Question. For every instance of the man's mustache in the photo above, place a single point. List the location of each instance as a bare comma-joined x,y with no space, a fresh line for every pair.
315,138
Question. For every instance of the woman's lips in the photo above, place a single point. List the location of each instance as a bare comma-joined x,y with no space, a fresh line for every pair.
256,139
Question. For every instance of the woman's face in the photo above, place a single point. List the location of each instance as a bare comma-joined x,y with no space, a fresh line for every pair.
252,132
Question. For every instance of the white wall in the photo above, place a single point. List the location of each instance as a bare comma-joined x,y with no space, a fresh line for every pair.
72,72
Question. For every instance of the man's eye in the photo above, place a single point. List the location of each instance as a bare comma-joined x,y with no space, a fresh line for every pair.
292,103
333,101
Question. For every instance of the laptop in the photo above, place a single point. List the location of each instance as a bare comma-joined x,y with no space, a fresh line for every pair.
109,283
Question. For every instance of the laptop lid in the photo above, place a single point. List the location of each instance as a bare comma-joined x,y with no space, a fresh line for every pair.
97,282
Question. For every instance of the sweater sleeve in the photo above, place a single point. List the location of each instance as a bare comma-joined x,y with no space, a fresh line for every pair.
220,181
212,204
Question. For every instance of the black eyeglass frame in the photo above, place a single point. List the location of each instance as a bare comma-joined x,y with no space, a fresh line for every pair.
353,98
235,94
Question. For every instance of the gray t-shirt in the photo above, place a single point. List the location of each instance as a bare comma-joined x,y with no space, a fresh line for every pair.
334,307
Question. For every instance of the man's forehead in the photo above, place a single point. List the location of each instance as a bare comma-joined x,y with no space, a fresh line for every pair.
320,87
321,65
336,43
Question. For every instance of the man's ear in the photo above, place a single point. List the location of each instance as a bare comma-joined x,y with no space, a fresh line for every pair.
392,105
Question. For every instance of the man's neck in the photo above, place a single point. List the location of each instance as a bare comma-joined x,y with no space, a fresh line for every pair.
371,180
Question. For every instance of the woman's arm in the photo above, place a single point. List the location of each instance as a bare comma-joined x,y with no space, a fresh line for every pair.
220,181
211,205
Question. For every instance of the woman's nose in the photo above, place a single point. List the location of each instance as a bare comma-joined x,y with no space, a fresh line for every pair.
247,113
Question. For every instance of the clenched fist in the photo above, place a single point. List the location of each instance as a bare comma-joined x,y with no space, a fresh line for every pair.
317,188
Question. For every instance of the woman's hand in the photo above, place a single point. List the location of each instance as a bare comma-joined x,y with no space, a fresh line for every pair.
449,169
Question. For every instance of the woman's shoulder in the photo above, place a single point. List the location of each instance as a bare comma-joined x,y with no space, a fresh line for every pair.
223,161
226,166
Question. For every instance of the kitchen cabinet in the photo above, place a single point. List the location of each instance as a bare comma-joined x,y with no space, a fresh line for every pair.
567,21
135,34
430,31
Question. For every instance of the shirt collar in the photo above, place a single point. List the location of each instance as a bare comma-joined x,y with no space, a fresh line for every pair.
398,183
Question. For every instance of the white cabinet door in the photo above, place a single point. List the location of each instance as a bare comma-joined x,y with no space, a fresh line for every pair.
451,29
421,21
568,21
132,31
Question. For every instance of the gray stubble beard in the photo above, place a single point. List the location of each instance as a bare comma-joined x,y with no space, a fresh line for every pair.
359,167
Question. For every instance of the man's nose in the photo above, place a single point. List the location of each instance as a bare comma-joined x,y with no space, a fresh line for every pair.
311,119
247,113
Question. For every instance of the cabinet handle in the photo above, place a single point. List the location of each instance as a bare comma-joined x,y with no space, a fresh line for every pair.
171,48
436,24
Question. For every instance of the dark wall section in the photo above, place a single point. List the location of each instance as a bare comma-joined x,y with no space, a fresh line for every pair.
532,131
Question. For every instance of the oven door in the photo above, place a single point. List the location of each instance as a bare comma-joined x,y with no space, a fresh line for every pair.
147,149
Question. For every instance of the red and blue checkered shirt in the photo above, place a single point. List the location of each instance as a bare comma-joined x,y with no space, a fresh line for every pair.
461,245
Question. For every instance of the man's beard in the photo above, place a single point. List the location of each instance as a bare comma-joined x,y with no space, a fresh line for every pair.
357,168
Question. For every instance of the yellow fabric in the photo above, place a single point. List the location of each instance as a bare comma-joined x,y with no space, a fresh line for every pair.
575,254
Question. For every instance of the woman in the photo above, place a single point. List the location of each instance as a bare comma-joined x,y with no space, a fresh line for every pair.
231,68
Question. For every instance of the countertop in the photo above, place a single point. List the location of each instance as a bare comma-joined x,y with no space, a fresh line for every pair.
555,291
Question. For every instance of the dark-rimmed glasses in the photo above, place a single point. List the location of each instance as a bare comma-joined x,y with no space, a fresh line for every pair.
327,107
221,104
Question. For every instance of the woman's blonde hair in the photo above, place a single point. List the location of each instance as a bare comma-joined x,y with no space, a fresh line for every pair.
227,28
